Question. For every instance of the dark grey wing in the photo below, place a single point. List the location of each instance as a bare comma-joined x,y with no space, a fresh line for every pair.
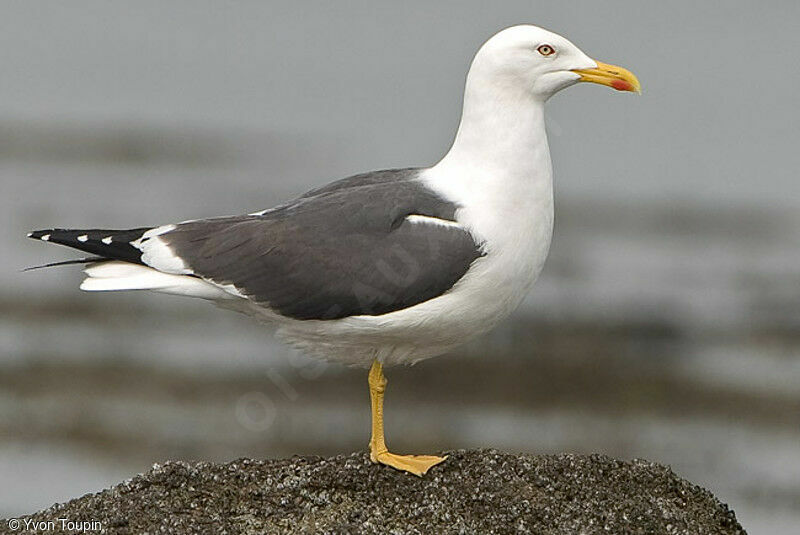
337,252
372,178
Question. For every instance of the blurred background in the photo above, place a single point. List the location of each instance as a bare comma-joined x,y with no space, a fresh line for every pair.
666,323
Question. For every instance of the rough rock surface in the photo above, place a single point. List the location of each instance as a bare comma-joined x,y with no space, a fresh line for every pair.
477,491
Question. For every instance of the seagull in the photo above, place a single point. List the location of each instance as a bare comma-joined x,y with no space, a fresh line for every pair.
387,267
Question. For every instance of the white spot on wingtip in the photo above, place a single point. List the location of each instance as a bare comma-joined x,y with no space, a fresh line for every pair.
45,237
106,240
83,238
30,234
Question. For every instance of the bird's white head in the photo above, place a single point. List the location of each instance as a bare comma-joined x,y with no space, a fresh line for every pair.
532,61
502,129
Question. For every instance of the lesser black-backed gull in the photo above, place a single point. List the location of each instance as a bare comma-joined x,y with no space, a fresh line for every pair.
387,267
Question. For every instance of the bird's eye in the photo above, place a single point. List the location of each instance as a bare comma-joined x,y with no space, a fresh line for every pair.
546,50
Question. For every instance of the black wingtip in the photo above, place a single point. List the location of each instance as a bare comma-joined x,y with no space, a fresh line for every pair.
40,234
110,244
87,260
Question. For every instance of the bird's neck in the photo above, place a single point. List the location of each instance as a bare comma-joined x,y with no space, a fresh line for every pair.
498,171
500,147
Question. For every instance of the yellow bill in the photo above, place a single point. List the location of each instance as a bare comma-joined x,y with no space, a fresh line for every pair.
619,78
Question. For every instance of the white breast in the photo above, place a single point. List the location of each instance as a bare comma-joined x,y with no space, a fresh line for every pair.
514,223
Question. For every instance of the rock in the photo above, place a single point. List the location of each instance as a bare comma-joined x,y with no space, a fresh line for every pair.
475,491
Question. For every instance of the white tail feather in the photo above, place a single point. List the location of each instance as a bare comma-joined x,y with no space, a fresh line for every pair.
115,275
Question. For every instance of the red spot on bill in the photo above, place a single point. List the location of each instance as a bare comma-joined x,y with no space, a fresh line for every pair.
622,85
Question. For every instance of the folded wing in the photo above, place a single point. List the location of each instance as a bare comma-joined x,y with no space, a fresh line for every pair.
365,245
368,249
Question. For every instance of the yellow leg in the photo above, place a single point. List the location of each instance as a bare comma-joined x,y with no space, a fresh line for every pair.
378,452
